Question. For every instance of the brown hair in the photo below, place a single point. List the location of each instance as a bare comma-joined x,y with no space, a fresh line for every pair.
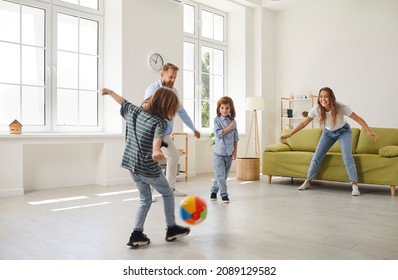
226,100
164,103
168,66
333,107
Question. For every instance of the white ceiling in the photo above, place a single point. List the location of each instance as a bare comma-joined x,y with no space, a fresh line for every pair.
282,4
230,5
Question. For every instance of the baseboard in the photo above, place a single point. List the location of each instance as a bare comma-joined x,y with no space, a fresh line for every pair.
121,181
11,192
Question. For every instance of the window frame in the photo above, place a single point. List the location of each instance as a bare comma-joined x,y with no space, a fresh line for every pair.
199,41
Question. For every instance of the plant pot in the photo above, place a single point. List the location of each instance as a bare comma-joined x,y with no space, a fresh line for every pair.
248,169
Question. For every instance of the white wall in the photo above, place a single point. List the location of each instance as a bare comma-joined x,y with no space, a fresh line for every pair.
113,62
152,26
149,26
348,45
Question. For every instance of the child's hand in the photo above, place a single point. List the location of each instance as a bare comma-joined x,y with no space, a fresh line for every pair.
158,155
231,126
106,91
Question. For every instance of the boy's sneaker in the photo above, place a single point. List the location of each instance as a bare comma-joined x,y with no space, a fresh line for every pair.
355,190
305,185
138,238
225,199
175,232
213,196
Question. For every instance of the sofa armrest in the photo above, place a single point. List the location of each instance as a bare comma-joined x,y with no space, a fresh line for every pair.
280,147
389,151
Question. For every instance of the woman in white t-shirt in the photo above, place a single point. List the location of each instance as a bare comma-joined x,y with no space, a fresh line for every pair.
331,117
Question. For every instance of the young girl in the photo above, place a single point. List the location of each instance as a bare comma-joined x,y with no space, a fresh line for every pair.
226,145
331,117
145,129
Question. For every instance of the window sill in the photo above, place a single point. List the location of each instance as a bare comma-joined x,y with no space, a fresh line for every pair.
59,135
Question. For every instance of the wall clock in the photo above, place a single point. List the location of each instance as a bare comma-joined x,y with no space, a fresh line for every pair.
155,62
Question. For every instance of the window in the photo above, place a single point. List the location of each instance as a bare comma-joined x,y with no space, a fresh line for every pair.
77,70
205,52
22,55
53,60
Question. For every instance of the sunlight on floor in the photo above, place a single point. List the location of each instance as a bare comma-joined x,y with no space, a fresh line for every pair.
48,201
80,206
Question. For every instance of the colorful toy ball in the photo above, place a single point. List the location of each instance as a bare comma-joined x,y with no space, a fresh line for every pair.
193,210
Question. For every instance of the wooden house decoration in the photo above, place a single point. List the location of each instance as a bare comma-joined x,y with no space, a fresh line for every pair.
15,127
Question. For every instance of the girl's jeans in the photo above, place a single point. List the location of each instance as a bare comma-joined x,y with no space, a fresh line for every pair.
328,138
222,165
162,186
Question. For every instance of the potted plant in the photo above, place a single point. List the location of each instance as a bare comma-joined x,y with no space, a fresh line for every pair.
213,140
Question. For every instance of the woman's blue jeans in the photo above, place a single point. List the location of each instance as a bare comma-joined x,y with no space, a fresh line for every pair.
162,186
222,165
328,138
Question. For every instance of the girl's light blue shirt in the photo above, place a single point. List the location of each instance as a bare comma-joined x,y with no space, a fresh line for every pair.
224,143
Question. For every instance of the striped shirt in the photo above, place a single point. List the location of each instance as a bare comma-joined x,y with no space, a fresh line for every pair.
141,129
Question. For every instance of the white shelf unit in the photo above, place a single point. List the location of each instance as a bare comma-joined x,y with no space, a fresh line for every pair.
297,106
181,139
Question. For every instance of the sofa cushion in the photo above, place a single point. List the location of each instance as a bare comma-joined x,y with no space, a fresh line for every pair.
305,140
389,151
385,137
355,135
277,148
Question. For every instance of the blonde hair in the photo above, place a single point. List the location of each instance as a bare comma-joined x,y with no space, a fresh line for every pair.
164,103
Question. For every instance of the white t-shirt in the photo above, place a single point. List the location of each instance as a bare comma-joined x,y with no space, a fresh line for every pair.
342,110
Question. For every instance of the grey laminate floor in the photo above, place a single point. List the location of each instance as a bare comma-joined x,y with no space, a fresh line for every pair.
263,221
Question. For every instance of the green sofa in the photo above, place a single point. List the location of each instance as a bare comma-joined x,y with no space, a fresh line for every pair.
376,161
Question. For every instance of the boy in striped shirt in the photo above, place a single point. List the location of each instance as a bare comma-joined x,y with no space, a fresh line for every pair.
145,129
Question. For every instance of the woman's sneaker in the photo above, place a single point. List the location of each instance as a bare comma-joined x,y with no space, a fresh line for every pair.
305,185
355,190
138,238
175,232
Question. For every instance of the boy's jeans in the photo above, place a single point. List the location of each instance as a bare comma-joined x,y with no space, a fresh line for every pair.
162,186
328,138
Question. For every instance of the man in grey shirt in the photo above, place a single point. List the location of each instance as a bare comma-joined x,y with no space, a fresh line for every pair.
168,75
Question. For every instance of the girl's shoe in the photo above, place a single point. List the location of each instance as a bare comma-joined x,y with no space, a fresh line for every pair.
225,199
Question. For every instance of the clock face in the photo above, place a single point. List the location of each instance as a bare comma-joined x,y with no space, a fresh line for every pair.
155,62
